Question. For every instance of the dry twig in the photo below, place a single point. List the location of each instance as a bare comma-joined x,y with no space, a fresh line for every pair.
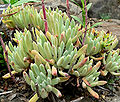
6,55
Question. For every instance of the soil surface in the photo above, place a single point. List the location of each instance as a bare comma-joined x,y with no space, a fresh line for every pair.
21,92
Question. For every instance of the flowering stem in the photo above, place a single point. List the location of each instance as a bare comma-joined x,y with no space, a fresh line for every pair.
85,23
68,8
6,54
45,18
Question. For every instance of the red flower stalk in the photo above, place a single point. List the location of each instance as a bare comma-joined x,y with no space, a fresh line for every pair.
68,8
6,54
45,18
85,22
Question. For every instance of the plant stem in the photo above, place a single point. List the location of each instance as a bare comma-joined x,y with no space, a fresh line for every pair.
68,8
37,90
85,22
45,18
6,54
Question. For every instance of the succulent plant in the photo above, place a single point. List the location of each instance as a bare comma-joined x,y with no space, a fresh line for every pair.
42,44
111,63
109,41
99,41
89,74
59,51
91,79
58,21
41,80
22,17
56,50
18,56
25,17
58,54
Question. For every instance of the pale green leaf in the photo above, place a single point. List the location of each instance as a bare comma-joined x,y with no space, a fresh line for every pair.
96,24
77,19
88,6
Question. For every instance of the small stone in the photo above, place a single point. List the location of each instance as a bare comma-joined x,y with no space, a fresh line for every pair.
77,100
103,96
2,100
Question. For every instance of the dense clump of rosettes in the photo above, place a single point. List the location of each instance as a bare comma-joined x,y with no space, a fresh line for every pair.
54,57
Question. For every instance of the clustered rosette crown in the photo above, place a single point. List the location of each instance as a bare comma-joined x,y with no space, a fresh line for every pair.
56,56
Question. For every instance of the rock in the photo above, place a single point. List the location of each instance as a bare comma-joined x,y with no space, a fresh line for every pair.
105,9
116,21
115,99
81,99
77,100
